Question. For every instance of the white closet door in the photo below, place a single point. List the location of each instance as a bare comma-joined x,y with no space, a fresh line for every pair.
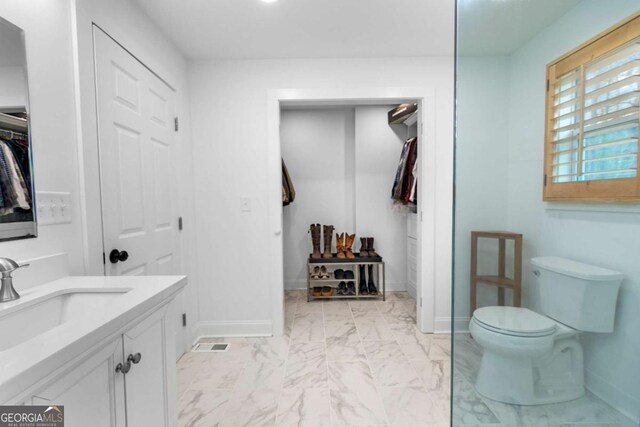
137,152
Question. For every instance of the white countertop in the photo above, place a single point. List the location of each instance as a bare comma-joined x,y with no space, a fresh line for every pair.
26,363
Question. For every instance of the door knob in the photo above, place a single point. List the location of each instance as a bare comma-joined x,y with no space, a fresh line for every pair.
123,368
134,358
117,255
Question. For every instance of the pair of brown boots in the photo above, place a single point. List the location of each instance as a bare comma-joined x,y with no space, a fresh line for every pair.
316,230
344,242
366,247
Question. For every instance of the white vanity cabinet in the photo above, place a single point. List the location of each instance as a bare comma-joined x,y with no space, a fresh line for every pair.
150,384
91,392
95,392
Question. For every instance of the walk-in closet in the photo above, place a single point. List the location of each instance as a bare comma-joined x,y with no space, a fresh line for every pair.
354,168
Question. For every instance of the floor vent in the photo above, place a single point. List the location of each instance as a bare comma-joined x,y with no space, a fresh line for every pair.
210,347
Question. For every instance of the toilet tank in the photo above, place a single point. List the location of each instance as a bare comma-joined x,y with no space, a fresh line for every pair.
578,295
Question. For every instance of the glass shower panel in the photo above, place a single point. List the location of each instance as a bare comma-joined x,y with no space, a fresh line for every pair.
503,48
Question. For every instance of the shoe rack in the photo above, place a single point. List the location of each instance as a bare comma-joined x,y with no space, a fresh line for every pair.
352,264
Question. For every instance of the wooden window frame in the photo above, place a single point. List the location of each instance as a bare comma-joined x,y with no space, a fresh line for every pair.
604,190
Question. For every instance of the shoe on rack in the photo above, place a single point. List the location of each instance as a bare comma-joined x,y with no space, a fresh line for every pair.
315,274
349,238
317,291
342,289
314,229
348,274
351,288
362,282
327,291
324,274
338,274
327,234
340,248
363,247
372,286
370,249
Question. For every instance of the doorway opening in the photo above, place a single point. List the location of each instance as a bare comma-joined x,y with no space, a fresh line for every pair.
281,103
344,170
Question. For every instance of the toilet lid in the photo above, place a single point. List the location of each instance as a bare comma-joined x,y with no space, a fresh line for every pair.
515,321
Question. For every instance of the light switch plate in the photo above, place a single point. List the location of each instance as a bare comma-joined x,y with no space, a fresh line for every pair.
53,207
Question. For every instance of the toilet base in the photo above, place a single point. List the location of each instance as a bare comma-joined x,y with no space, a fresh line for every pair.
516,379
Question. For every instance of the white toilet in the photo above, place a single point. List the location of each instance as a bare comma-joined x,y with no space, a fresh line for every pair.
534,358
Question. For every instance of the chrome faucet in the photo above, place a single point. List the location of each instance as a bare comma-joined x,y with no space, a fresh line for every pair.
8,266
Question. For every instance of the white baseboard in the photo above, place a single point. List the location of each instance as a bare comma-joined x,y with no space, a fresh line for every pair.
238,328
295,285
442,325
623,402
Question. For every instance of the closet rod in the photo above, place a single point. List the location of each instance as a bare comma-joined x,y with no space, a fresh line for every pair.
13,123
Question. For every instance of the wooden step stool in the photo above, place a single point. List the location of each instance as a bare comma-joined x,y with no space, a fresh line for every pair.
501,280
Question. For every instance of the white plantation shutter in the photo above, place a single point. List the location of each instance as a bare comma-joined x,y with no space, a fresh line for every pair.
566,126
593,113
611,110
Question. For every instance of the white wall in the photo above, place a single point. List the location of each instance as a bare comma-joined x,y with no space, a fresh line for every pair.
378,149
128,25
481,167
47,26
229,102
318,148
12,87
606,239
342,162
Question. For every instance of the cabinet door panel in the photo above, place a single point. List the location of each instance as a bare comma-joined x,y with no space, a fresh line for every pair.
150,384
92,392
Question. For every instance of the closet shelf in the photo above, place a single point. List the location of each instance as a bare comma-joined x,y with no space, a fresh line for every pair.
348,296
378,273
335,260
412,119
403,114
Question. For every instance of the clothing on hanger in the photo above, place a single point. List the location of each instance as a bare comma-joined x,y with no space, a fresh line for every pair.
20,148
405,183
288,191
14,189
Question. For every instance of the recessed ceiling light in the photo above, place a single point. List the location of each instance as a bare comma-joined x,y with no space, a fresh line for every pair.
269,1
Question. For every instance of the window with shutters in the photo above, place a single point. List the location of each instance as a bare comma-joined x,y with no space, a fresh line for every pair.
592,117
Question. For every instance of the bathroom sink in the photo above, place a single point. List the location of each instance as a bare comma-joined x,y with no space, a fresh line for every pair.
27,320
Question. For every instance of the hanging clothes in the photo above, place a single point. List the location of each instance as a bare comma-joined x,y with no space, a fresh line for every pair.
404,189
288,191
19,146
15,191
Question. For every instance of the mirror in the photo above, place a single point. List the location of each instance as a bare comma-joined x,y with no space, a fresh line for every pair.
17,196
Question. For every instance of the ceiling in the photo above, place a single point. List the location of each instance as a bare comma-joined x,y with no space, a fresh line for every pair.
499,27
252,29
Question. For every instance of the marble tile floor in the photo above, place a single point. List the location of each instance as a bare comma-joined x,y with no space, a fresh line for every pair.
357,363
471,409
340,363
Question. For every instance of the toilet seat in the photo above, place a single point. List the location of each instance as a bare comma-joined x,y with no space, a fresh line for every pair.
514,321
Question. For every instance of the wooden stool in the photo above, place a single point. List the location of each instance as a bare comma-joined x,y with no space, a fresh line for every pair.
501,280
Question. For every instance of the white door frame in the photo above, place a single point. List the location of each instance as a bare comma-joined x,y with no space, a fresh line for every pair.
434,216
